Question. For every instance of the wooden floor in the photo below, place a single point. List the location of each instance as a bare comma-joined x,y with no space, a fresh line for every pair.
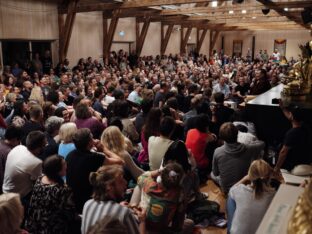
214,194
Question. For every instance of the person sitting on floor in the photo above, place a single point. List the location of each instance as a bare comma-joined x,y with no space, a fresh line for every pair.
51,208
231,161
11,213
163,200
82,161
250,198
108,189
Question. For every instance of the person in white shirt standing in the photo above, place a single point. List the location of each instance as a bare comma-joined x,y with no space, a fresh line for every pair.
23,166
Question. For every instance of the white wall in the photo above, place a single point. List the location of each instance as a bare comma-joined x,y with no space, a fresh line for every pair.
265,40
87,37
20,19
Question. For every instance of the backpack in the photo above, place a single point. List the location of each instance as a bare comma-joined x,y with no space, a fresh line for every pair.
199,210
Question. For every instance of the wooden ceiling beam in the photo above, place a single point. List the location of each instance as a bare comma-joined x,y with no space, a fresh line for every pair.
140,37
248,7
109,35
165,37
200,39
132,4
132,12
66,28
213,39
280,10
184,38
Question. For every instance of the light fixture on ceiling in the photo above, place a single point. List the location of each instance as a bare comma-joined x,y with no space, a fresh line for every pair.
254,17
285,9
121,33
231,12
266,11
244,11
214,3
237,1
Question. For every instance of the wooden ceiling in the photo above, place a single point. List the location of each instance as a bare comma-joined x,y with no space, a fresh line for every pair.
283,15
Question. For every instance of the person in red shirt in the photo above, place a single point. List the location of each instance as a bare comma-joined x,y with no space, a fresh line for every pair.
197,140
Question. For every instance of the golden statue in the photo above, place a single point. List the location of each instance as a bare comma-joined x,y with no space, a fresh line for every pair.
301,220
299,80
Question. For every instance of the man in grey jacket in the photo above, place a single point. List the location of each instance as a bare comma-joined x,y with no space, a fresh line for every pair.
231,161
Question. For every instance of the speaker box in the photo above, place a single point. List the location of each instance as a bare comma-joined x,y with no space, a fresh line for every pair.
306,16
237,1
266,11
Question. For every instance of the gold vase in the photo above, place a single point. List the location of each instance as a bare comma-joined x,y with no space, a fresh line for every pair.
301,219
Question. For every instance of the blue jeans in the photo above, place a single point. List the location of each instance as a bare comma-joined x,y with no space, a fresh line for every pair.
230,209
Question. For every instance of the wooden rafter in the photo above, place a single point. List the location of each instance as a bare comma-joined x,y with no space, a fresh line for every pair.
185,38
213,39
65,28
280,10
165,37
140,36
87,7
109,35
225,9
200,39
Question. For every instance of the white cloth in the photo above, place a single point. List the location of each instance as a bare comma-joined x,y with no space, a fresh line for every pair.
157,148
21,170
246,138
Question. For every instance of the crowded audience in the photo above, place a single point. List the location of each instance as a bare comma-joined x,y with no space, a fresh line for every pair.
75,139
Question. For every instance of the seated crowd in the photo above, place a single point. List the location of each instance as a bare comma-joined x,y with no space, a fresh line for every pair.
123,147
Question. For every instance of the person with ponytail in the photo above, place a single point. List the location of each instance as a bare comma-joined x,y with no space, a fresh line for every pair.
250,198
109,187
164,201
51,208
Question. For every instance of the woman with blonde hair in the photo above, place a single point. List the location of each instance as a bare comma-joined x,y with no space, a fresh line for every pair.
11,213
250,198
114,140
66,135
37,95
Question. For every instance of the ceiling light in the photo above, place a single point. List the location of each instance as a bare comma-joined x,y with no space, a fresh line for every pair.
214,3
231,12
244,11
285,9
254,17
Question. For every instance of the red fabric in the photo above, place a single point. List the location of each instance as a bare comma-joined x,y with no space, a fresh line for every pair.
196,142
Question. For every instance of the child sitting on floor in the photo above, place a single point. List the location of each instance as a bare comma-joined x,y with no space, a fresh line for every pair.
162,197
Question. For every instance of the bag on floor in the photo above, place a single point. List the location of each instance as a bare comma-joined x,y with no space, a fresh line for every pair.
200,210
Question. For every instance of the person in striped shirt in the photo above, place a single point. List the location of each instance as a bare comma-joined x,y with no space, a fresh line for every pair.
109,186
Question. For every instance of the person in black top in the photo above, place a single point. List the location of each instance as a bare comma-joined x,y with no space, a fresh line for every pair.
82,161
260,83
297,142
160,96
241,90
220,112
35,123
47,63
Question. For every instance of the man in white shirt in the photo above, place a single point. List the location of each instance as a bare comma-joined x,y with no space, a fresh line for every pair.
276,56
23,166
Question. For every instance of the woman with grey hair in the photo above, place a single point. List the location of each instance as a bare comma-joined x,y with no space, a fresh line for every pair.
52,127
